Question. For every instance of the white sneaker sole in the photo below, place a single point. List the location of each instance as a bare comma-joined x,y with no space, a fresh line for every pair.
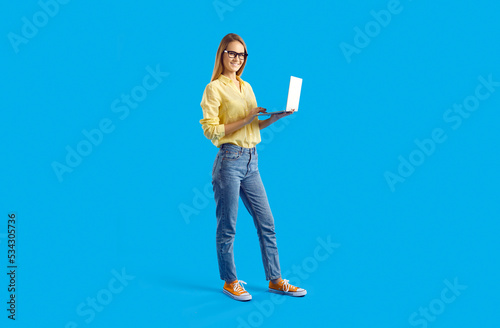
298,293
243,298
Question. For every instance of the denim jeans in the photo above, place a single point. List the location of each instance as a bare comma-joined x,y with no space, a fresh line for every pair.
236,174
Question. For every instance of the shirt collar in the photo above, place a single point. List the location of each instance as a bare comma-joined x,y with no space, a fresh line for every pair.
224,79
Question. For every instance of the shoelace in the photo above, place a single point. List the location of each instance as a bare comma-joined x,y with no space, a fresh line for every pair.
238,288
286,285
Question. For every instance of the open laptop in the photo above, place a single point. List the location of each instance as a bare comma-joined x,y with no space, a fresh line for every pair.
293,97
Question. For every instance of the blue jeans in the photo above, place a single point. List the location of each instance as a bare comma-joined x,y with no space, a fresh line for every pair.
236,174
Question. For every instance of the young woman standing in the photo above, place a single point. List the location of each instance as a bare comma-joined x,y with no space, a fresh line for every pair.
229,121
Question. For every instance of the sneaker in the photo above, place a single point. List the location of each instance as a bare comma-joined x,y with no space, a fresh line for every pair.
236,291
283,287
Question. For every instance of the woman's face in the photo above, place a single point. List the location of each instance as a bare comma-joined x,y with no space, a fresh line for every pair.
232,65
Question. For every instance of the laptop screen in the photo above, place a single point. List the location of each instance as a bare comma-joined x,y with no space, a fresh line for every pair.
294,93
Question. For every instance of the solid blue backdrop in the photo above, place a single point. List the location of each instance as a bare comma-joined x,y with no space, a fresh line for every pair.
383,186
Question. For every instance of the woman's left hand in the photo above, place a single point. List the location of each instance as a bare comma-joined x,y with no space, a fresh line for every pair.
278,116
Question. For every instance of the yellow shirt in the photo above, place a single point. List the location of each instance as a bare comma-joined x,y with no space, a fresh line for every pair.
223,103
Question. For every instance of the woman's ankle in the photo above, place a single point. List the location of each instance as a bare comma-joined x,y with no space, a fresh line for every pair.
276,281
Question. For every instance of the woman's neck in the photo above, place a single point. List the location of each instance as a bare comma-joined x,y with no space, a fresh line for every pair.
231,75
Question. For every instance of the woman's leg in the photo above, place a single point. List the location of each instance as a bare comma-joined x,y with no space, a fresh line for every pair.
254,197
226,177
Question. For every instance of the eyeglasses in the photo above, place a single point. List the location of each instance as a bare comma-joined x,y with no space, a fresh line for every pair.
233,54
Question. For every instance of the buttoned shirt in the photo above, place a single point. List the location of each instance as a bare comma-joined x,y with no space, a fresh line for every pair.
224,103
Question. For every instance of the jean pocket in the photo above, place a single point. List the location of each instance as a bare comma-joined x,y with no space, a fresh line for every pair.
229,155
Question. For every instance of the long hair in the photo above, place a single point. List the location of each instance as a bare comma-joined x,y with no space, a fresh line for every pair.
219,66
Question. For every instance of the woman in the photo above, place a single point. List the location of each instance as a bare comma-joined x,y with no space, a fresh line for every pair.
229,121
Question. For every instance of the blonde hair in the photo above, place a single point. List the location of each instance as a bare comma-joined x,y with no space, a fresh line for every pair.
219,66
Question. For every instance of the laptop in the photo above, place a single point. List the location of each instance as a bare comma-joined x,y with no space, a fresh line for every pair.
293,97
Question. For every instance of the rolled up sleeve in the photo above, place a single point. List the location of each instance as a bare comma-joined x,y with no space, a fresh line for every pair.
210,104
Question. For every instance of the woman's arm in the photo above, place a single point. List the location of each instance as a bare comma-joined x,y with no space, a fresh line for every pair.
235,126
265,123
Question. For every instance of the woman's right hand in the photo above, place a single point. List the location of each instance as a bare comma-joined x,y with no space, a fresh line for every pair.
252,113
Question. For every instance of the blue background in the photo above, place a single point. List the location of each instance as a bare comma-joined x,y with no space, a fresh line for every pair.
141,200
